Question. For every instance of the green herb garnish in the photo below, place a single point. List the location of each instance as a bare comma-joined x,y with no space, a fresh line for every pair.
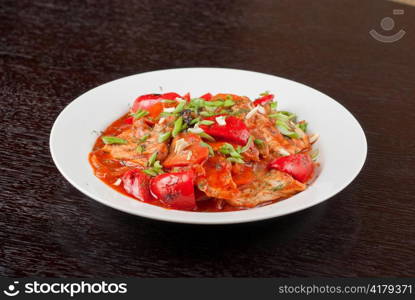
206,136
108,140
314,154
228,149
206,122
150,172
246,147
155,170
203,144
164,137
194,121
139,114
179,107
278,187
236,160
303,126
258,142
178,126
139,149
152,159
168,101
228,103
144,138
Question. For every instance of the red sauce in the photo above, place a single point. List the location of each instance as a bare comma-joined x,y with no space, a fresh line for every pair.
109,170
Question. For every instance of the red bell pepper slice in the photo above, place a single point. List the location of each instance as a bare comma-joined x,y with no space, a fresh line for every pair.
137,183
175,189
187,97
170,96
300,166
151,103
264,99
207,96
129,120
180,159
235,130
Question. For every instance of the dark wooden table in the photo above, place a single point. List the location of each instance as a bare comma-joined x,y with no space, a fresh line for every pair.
53,51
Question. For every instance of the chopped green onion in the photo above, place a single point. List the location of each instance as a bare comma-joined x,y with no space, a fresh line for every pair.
178,125
152,159
113,140
214,103
139,114
164,137
157,165
236,160
283,128
228,103
206,136
206,114
246,147
210,108
194,121
273,105
203,144
264,93
139,149
289,115
180,107
280,116
155,170
258,142
314,154
150,172
167,114
303,126
278,187
206,122
144,138
228,149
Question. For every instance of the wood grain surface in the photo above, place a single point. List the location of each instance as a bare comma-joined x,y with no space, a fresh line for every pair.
53,51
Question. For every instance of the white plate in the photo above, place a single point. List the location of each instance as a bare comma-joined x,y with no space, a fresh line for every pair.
342,142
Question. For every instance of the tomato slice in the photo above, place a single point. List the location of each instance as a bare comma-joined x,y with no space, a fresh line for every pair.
235,130
176,190
136,183
151,103
183,158
264,99
300,166
207,96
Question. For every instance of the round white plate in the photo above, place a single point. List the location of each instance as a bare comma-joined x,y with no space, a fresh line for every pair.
342,142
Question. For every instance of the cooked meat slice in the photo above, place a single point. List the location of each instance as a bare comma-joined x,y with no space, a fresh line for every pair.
140,128
186,150
263,128
272,185
152,144
126,152
218,181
